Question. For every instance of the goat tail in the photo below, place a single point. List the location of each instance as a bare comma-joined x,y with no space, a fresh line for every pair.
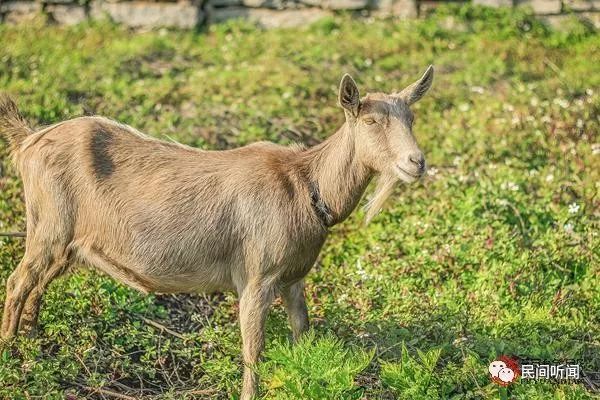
12,124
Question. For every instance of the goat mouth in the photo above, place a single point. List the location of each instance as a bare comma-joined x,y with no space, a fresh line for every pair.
405,172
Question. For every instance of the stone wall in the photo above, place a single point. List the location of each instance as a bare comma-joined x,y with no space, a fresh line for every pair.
193,13
267,13
554,11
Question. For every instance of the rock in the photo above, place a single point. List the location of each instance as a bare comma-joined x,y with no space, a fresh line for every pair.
564,22
582,5
345,4
592,18
494,3
338,4
404,8
394,8
140,14
16,12
67,14
542,6
312,3
555,21
269,18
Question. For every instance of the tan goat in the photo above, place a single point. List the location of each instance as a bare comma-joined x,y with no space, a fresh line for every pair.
163,217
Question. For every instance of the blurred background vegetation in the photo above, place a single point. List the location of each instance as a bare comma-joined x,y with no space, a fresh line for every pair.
495,252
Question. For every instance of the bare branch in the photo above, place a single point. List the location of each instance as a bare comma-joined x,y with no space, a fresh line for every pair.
13,234
162,328
104,392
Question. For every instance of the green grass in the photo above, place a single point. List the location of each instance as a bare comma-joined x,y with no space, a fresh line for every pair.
496,252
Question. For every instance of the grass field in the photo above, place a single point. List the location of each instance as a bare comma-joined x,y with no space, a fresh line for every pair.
496,252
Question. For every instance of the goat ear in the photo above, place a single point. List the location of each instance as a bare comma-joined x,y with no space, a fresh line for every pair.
414,92
349,97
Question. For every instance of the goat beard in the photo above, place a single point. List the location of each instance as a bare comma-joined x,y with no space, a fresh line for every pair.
383,189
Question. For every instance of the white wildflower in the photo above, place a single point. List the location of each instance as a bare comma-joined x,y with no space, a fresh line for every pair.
573,208
513,187
477,89
533,172
457,160
562,103
589,92
549,178
568,227
534,102
596,149
368,62
432,171
579,123
360,271
464,107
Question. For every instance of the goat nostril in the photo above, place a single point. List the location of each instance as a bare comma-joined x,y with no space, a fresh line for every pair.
417,159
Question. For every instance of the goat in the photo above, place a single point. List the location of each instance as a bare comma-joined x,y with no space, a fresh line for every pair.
164,217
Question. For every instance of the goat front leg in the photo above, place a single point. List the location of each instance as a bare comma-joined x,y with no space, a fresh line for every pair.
254,306
295,305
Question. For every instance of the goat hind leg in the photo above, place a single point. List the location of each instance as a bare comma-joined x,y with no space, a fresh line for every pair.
18,287
295,305
29,316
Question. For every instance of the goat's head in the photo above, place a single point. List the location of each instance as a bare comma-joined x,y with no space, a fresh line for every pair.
382,124
382,127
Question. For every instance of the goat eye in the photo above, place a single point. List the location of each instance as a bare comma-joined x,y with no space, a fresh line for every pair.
370,121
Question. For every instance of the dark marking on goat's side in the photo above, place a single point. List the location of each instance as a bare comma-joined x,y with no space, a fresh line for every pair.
102,163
